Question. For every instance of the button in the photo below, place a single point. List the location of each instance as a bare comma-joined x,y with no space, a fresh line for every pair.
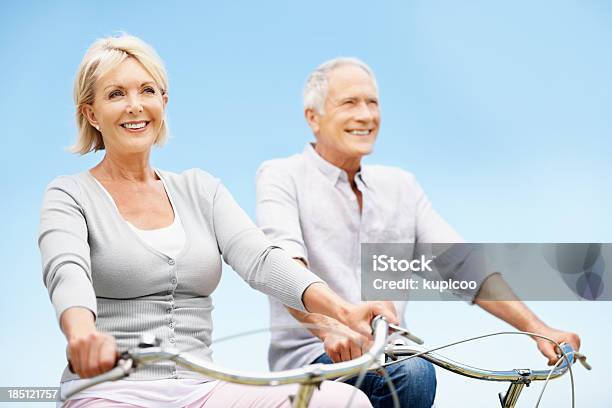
171,262
173,281
169,310
172,340
171,325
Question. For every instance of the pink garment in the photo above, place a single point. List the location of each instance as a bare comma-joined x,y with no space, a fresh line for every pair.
229,395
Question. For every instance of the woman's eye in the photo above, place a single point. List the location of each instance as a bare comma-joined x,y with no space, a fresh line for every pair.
149,89
115,93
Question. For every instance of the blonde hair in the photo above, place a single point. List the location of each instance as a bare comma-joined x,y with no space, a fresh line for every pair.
102,56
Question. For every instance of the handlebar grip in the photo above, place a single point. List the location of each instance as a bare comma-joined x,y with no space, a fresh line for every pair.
120,356
569,352
375,321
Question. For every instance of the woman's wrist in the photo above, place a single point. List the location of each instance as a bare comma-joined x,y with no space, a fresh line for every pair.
319,298
77,322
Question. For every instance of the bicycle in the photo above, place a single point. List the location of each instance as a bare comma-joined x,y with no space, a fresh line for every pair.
380,355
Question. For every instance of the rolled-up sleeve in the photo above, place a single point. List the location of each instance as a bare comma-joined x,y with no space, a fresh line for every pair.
264,266
278,212
64,249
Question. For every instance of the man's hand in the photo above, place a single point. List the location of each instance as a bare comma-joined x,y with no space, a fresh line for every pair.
548,349
390,306
359,317
497,298
349,336
342,343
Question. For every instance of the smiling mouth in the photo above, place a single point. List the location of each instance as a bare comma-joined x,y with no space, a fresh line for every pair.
360,132
135,125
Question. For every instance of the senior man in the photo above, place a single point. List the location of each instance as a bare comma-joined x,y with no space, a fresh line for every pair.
321,204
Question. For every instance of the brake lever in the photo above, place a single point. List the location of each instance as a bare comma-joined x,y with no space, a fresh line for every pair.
404,332
582,358
575,355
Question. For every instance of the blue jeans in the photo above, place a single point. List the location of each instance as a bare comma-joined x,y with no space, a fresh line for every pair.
414,380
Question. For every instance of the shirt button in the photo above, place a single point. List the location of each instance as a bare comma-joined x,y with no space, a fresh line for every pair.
173,281
171,262
171,325
169,310
172,340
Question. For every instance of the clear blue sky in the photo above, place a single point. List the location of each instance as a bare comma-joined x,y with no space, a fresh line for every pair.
501,109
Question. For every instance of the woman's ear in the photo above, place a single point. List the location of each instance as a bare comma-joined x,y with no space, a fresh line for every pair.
89,114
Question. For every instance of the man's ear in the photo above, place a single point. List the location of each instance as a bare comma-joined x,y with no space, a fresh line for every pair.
89,114
312,117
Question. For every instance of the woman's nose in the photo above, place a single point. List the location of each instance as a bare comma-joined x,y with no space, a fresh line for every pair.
134,105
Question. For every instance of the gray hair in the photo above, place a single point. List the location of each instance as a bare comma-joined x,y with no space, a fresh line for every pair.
316,87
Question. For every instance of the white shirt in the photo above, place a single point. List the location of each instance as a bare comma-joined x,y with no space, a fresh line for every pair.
306,206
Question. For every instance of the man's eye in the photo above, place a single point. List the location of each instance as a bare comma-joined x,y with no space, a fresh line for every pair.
149,89
115,93
373,102
348,102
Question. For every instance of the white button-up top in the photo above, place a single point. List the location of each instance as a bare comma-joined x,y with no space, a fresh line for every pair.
306,206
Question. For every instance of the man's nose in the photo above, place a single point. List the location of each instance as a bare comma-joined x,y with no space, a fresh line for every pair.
364,113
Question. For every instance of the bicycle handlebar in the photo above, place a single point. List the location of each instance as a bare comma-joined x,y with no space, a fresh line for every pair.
311,374
517,375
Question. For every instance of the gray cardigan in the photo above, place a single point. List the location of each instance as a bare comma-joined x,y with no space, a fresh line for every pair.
92,259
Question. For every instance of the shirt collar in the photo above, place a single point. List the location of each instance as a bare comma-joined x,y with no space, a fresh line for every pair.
330,171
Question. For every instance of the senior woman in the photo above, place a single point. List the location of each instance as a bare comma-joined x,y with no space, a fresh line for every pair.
128,249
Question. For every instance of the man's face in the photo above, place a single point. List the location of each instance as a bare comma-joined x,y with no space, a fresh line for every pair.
349,125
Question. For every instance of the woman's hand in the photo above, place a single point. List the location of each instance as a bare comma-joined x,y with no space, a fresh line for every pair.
319,298
92,354
89,351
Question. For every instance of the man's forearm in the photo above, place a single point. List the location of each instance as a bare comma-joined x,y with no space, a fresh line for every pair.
509,308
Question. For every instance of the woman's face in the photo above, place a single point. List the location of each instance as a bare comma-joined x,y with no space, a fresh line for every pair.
128,108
